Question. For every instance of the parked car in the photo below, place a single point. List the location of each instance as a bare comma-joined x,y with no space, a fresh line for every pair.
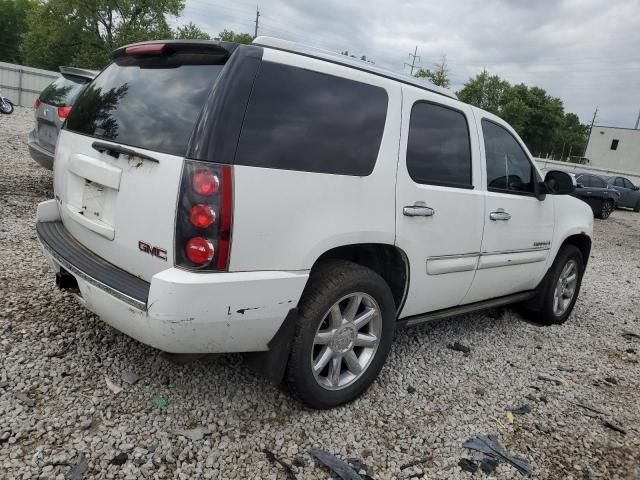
51,108
594,191
629,193
215,197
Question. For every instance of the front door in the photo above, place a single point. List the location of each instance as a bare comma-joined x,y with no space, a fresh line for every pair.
518,227
439,200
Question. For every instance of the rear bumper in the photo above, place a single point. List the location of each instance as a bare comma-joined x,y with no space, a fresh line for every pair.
183,312
41,155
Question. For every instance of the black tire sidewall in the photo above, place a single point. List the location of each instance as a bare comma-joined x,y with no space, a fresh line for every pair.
568,252
322,292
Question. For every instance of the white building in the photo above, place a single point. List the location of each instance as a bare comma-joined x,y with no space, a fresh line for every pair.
614,148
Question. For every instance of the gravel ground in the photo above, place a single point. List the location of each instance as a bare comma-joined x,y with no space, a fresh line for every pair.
55,404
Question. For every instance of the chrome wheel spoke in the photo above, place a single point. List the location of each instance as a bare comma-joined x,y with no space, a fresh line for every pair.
352,307
322,359
364,318
352,362
334,371
323,337
365,340
335,318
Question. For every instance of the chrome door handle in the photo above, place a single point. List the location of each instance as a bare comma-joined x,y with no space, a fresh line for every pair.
499,216
418,211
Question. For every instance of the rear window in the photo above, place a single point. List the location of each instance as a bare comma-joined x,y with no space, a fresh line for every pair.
63,91
303,120
154,106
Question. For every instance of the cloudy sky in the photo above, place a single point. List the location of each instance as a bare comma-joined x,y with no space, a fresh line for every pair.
587,52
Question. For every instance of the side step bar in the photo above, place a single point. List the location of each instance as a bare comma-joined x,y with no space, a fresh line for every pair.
471,307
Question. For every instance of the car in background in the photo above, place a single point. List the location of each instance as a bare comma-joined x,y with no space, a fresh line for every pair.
629,193
594,191
51,109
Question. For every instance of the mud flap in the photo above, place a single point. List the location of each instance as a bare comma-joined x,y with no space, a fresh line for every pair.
272,363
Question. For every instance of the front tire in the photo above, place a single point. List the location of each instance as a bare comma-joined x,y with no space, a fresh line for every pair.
344,332
562,287
6,107
637,207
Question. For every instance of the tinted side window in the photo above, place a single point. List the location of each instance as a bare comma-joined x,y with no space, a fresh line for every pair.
508,167
598,182
627,183
303,120
619,182
438,149
584,180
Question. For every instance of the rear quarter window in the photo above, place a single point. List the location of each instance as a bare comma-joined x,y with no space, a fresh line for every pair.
63,91
145,106
299,119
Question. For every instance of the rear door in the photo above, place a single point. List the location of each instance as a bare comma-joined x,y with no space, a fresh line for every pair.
119,158
439,202
588,192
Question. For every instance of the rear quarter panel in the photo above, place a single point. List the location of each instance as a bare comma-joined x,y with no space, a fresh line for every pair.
284,220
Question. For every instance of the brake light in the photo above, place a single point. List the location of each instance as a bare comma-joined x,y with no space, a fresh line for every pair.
204,217
148,49
199,250
63,112
36,105
205,183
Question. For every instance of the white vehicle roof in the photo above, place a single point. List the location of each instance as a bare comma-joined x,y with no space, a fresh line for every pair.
333,57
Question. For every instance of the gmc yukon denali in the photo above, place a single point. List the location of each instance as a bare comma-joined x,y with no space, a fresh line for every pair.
300,205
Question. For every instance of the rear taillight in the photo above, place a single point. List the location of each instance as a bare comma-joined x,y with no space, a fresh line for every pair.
147,49
204,217
36,105
63,112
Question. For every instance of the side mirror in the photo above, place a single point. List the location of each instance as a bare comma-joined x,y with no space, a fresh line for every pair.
559,183
636,188
579,185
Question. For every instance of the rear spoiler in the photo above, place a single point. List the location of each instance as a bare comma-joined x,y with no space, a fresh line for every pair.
79,72
222,50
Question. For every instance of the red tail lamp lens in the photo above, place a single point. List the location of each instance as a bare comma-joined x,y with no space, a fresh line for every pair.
202,216
63,112
147,49
37,104
199,250
205,183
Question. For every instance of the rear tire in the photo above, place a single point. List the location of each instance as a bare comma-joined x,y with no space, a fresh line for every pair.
560,291
345,329
637,207
605,209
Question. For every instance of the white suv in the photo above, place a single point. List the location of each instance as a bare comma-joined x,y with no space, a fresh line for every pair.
273,198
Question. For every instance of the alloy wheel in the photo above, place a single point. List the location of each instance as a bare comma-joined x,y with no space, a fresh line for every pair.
346,341
565,288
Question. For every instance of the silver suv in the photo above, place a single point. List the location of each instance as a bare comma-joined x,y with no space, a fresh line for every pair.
51,110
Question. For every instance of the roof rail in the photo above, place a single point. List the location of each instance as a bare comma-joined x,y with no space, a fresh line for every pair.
333,57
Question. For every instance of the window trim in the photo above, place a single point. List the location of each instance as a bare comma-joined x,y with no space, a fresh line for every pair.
436,183
536,186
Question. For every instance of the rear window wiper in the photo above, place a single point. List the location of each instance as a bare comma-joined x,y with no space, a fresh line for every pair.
116,150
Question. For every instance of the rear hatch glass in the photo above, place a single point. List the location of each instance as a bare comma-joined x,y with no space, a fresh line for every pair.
122,206
63,91
149,103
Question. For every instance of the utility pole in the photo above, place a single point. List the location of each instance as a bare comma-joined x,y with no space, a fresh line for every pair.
637,122
593,120
413,57
255,33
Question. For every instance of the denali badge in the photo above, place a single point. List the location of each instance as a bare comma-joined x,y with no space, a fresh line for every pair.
542,244
158,252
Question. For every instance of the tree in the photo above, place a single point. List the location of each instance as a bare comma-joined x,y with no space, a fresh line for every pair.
231,36
539,118
81,33
13,16
439,75
190,32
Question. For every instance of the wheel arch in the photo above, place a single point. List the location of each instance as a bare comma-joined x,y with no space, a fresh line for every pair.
582,241
388,261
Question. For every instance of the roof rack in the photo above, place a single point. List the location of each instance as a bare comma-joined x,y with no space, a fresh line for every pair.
327,55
